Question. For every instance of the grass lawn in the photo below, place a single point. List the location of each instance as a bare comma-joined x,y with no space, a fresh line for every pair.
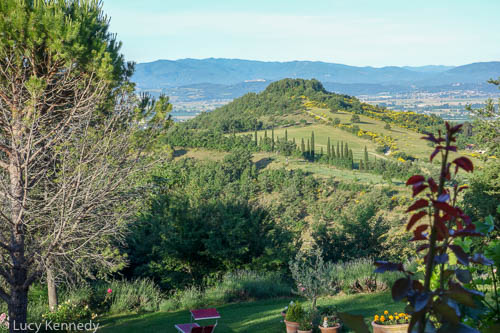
261,316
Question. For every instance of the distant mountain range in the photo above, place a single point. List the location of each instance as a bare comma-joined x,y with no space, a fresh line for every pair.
196,79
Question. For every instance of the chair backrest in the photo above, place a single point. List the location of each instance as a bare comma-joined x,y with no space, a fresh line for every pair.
203,329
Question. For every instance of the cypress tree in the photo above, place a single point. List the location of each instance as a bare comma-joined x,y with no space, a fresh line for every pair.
350,155
328,152
321,152
256,139
360,164
342,153
312,146
366,158
333,152
272,138
293,140
286,135
302,147
308,149
338,150
265,134
346,151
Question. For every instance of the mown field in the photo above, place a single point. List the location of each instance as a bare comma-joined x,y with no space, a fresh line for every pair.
250,317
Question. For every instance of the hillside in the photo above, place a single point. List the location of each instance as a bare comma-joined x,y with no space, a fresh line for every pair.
290,110
283,103
176,73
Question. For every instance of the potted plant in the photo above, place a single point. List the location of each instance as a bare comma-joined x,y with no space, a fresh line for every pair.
393,323
283,312
305,325
294,314
330,324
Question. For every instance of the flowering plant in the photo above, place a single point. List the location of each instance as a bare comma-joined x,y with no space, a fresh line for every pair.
70,311
392,319
4,321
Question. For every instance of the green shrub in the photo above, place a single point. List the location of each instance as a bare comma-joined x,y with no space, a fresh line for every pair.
295,312
70,312
141,295
232,287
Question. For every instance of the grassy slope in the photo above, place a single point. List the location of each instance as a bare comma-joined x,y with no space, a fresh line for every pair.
406,140
249,317
275,161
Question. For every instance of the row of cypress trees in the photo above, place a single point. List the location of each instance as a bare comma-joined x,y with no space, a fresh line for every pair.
338,154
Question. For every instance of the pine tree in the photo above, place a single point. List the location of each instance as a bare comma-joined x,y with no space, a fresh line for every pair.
328,152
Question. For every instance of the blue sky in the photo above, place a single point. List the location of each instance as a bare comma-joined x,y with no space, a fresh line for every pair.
354,32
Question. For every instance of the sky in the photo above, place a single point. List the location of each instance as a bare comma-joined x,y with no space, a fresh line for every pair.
353,32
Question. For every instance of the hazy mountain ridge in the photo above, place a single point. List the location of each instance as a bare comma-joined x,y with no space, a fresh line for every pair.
177,73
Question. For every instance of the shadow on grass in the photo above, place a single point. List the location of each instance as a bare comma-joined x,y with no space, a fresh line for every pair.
249,317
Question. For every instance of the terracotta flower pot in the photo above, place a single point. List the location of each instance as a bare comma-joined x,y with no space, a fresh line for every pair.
335,329
401,328
299,331
291,326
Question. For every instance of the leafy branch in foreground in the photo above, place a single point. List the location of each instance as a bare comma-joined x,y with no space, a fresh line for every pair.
437,222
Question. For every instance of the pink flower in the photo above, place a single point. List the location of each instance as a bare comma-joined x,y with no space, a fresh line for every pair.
110,291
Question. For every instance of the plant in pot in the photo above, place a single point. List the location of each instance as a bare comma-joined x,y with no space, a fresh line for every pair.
330,323
283,312
305,325
391,323
294,315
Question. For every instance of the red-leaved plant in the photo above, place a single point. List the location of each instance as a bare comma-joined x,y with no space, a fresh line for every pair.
436,222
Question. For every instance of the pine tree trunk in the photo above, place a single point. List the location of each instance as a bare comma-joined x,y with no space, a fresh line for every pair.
52,289
18,304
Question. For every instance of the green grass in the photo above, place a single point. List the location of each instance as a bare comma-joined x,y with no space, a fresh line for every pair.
249,317
407,140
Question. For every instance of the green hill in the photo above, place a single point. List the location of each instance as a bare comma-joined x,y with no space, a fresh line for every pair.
283,103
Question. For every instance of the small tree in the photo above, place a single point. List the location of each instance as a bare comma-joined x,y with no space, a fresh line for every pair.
311,275
355,119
